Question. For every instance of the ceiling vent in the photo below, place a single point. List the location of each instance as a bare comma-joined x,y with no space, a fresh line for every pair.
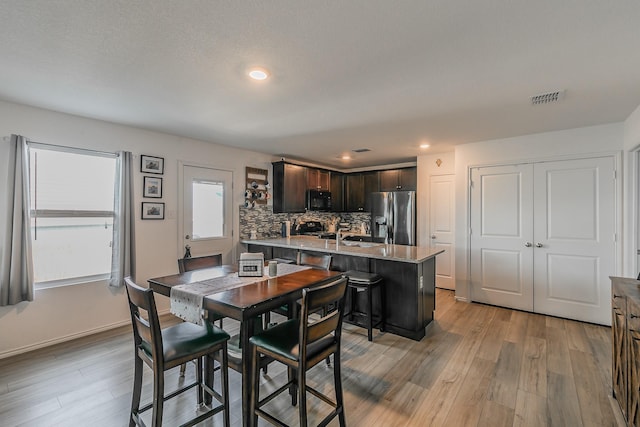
546,98
360,150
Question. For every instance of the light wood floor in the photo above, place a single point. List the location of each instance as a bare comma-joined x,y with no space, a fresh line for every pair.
478,366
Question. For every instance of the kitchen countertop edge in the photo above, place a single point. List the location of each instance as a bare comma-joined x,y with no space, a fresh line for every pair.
402,253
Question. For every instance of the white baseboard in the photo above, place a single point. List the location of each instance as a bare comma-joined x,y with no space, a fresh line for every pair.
59,340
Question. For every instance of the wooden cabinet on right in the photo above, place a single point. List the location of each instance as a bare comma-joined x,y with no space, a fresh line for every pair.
398,179
625,330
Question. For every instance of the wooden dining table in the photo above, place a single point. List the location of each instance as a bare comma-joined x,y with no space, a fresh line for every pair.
245,303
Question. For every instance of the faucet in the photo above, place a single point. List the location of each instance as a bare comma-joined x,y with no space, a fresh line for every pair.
339,232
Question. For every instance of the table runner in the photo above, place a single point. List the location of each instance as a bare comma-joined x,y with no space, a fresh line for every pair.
186,300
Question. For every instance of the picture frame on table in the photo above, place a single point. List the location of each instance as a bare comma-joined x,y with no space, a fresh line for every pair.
152,187
151,164
152,210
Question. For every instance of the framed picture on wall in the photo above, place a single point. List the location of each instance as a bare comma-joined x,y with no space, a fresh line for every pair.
152,187
152,210
151,164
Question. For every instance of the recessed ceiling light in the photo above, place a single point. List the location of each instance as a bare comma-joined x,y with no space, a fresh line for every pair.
258,73
424,145
346,157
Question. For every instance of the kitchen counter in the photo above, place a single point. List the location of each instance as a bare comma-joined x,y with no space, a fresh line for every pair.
402,253
408,271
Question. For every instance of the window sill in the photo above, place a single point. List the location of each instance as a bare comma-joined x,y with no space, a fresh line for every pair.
101,278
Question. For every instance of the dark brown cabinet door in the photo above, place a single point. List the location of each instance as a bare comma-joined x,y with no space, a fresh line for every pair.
398,179
388,180
318,179
354,198
358,188
633,363
289,187
337,191
371,185
619,368
408,179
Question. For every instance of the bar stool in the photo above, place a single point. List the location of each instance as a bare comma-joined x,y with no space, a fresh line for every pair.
360,281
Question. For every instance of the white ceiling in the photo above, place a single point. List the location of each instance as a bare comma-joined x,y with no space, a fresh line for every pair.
346,74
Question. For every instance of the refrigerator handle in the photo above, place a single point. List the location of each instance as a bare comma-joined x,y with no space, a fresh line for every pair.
389,238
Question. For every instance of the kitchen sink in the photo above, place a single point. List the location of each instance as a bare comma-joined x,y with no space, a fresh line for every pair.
360,244
368,244
356,238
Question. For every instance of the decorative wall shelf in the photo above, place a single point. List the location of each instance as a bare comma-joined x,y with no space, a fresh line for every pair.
257,189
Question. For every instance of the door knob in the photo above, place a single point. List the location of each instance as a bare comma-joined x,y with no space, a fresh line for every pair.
538,245
528,244
187,237
433,236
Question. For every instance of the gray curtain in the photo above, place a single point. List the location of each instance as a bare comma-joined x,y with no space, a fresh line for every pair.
16,263
123,260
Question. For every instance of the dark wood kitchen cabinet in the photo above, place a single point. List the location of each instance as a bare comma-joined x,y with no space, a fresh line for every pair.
337,191
358,187
619,344
410,291
399,179
625,331
289,187
318,179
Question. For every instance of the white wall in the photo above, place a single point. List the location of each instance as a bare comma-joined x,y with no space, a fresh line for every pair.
63,313
606,139
631,189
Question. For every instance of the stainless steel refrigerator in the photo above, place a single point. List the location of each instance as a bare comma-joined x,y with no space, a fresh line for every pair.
393,217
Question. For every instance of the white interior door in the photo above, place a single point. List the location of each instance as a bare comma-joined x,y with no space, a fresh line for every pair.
206,221
442,227
574,243
501,236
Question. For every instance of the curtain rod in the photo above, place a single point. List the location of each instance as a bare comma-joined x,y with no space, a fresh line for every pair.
64,147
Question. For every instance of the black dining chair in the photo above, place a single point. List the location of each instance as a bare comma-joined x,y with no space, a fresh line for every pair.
301,344
164,349
321,262
197,263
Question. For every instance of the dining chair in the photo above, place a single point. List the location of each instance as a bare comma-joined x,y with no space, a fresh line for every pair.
301,344
164,349
195,263
321,262
233,346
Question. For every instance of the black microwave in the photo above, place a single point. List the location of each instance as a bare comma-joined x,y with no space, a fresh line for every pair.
318,200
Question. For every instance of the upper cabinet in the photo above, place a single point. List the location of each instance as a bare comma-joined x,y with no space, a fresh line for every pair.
337,191
289,187
358,187
398,179
349,191
318,179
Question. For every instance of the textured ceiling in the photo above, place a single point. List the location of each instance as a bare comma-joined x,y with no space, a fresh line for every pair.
379,74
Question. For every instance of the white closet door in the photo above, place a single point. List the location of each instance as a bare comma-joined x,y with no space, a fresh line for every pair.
442,227
501,236
574,224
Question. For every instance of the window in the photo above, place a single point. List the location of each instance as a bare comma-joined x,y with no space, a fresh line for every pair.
72,212
208,209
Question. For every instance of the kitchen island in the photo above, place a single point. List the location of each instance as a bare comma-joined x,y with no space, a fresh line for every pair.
409,273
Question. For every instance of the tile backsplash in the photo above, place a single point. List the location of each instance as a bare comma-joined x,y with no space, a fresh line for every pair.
268,225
